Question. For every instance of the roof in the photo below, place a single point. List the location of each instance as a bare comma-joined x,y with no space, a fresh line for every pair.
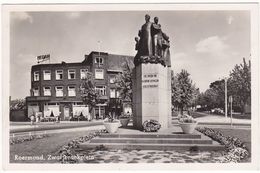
116,62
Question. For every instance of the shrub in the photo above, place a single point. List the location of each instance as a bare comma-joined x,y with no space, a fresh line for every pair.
66,151
186,119
17,140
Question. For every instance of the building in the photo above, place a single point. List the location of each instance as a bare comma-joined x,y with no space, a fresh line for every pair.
55,87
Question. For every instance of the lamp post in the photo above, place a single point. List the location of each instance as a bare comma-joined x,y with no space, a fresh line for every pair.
231,100
226,99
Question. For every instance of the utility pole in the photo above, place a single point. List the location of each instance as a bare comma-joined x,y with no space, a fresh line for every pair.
226,99
99,43
231,100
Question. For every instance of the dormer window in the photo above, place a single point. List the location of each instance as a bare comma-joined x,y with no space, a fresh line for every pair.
99,60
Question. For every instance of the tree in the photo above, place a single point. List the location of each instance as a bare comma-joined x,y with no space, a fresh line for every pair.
124,83
89,95
240,84
17,104
183,90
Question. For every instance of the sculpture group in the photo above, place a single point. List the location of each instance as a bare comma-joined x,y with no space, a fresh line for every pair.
152,45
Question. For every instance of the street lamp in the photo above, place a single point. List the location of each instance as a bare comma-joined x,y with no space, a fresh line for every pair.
226,97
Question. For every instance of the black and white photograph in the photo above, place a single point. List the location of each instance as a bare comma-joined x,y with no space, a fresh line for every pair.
166,86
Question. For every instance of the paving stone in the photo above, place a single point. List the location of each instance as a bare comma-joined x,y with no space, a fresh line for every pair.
166,162
189,161
132,161
150,161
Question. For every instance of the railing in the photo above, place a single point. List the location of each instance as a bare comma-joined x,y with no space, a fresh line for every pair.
27,134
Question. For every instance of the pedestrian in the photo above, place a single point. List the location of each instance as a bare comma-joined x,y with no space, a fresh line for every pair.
32,119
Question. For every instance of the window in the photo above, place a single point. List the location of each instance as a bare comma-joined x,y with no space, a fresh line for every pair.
117,94
112,93
56,104
99,61
36,76
99,73
112,79
78,103
101,90
36,92
59,91
46,75
59,74
72,74
47,91
71,90
83,73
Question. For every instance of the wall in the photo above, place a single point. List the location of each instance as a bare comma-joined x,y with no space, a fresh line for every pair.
18,115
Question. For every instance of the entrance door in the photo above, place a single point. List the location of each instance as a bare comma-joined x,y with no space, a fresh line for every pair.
100,112
66,113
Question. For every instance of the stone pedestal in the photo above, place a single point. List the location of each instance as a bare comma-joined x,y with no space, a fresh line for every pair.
151,94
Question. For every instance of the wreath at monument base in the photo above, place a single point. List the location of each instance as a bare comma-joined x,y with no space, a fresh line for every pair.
150,59
151,125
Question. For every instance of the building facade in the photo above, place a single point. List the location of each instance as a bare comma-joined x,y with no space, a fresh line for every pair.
55,87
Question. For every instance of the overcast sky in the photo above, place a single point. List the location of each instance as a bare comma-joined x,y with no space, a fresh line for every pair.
206,43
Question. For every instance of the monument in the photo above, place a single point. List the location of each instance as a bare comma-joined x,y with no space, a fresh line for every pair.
152,76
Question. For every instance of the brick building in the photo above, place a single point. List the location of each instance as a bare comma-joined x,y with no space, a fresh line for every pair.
55,87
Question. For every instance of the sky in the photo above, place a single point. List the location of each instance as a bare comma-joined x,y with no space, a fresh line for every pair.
207,44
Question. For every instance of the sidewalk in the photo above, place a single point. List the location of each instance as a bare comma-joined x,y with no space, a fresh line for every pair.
26,127
207,119
213,119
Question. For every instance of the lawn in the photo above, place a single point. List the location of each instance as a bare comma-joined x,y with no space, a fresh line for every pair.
243,134
45,146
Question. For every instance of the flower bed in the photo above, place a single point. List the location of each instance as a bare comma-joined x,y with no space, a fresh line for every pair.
236,149
151,126
17,140
66,152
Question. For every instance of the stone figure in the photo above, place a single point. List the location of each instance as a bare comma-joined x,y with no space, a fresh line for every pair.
153,45
137,43
166,50
145,43
157,38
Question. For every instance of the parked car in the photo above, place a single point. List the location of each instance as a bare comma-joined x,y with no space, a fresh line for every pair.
218,111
